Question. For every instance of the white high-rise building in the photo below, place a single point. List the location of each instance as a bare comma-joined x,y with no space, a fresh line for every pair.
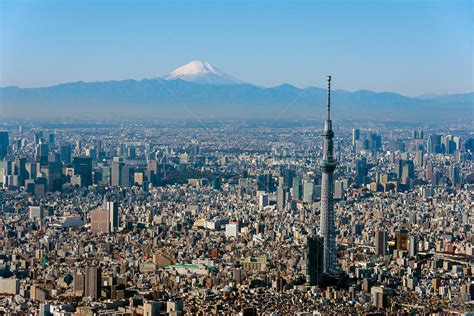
112,208
232,230
36,212
262,201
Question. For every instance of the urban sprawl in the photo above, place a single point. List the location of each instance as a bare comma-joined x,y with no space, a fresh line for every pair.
226,217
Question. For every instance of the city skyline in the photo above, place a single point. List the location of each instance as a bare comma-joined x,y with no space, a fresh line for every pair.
364,45
151,217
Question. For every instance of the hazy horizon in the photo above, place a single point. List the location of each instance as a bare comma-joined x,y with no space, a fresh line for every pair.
422,95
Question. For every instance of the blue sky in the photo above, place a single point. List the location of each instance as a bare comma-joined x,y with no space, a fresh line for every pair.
411,47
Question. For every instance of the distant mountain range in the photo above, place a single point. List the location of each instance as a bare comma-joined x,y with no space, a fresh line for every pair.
198,88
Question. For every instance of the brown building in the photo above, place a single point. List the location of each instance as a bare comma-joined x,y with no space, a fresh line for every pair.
401,239
93,282
381,243
79,281
100,220
162,260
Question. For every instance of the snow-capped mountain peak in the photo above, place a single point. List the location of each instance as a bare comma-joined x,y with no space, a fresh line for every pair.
201,72
195,67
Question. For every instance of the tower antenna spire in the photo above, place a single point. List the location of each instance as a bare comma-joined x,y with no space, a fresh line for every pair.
328,165
328,106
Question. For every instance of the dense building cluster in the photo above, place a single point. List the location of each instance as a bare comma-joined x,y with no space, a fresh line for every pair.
172,219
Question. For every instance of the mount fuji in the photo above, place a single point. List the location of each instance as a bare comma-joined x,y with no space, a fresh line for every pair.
202,72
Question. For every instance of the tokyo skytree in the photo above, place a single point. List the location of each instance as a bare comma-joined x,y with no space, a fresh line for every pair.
328,165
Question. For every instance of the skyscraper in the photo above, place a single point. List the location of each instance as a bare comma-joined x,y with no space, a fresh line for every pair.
355,136
117,166
153,171
4,141
308,191
265,182
100,221
20,170
361,170
380,243
434,143
42,151
412,245
401,239
54,176
52,140
83,168
262,201
66,153
38,137
288,176
297,189
106,218
112,209
120,173
281,198
93,282
314,260
78,285
328,165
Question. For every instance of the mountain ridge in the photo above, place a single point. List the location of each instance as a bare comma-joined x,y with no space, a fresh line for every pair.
158,98
188,93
